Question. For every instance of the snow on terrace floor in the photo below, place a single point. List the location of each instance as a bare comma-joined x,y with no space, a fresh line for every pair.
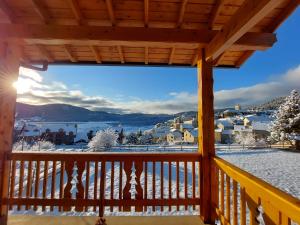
277,167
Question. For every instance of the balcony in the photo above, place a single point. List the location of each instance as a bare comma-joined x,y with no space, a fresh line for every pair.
140,184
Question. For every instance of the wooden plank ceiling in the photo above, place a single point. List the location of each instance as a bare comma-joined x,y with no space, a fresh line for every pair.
151,32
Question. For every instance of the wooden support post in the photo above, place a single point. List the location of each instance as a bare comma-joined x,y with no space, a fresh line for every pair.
206,138
9,70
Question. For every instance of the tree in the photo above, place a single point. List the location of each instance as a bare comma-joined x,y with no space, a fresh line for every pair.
104,139
286,125
121,137
245,138
146,139
132,139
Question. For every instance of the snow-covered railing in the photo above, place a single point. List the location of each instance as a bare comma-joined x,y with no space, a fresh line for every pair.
245,199
110,182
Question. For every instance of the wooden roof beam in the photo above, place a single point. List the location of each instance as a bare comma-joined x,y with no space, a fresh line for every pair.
215,12
181,13
41,10
171,55
96,54
111,13
76,11
247,16
121,54
146,12
146,55
7,11
125,36
70,54
43,51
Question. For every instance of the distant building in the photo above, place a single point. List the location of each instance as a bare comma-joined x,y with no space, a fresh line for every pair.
224,124
186,126
237,107
175,136
190,136
223,136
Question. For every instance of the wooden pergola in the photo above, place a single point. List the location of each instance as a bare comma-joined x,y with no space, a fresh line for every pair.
202,33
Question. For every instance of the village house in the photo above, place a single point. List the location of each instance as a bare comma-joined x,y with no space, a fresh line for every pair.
224,124
175,136
190,136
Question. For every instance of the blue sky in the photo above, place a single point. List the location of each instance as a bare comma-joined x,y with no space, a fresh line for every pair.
265,75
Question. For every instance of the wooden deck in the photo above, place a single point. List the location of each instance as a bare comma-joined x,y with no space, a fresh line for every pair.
115,220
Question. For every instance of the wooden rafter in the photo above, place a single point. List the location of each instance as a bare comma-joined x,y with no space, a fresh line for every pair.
96,54
172,52
41,10
249,14
121,54
218,60
215,12
181,12
111,13
45,53
7,11
69,52
125,36
146,12
195,57
76,10
146,55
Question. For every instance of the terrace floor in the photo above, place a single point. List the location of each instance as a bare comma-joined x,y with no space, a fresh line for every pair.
111,220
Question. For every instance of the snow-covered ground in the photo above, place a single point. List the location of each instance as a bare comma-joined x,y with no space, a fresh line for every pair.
279,168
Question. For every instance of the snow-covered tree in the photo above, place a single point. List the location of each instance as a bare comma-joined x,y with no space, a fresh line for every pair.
21,146
245,138
132,139
103,139
146,139
42,146
286,125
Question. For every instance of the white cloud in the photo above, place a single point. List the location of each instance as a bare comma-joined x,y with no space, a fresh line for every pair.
57,92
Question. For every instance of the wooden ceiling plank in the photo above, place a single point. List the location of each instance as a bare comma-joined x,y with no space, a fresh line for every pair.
181,13
43,51
76,11
172,52
218,60
125,36
247,16
41,10
96,54
111,13
146,55
146,12
195,58
70,54
121,54
215,12
7,11
243,58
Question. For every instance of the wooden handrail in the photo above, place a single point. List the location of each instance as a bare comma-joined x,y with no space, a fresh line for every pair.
278,206
50,172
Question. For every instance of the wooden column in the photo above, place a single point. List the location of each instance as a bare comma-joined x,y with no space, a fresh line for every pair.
9,71
206,137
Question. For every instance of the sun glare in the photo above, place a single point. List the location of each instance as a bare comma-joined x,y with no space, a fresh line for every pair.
22,85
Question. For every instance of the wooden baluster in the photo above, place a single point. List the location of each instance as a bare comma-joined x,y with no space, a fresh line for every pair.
126,190
177,183
12,182
235,203
61,182
222,191
153,183
162,184
21,178
120,184
79,186
193,183
139,190
170,184
53,183
146,185
102,189
95,183
87,183
228,198
69,165
185,183
112,179
29,182
37,182
243,206
45,183
284,220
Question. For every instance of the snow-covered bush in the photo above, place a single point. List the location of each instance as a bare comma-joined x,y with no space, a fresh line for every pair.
287,119
132,138
146,139
245,138
103,139
42,146
21,146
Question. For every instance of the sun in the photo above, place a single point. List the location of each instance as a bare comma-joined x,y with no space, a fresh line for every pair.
23,85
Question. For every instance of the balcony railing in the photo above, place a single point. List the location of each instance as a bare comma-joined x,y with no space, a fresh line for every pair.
94,181
142,182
